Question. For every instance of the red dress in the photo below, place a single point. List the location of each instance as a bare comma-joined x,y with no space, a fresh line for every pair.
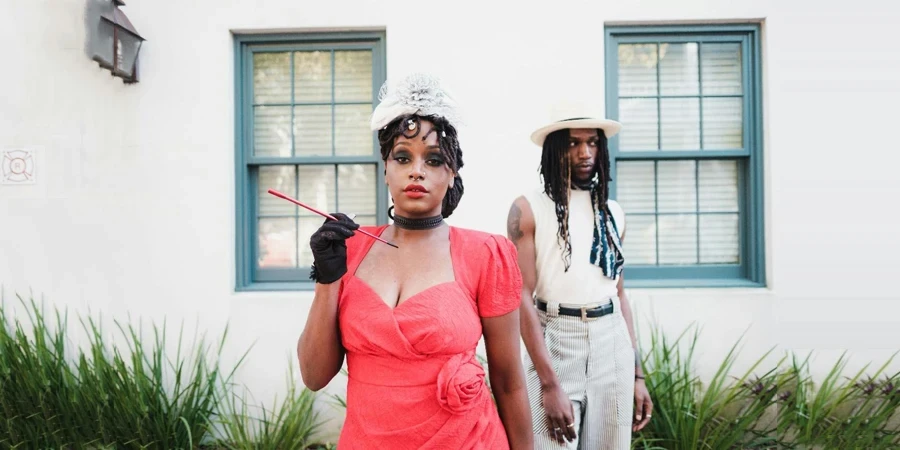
414,381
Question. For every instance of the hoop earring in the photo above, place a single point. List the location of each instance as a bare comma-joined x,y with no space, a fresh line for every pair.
391,213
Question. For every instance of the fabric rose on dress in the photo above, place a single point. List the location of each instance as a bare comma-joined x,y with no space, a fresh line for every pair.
461,384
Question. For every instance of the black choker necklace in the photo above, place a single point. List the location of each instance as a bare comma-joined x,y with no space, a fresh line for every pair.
415,224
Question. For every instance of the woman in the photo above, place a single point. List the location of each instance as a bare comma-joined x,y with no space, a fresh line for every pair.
409,318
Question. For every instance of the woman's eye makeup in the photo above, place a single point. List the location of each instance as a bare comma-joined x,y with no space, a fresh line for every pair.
400,156
435,159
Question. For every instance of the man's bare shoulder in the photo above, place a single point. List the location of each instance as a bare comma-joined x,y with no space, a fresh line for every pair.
520,221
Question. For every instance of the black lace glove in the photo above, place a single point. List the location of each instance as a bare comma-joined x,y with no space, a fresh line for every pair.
329,249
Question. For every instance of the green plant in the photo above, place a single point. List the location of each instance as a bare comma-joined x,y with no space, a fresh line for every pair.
337,400
728,412
292,424
124,396
37,386
859,411
780,408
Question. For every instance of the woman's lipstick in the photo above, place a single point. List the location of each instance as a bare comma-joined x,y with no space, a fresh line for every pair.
415,191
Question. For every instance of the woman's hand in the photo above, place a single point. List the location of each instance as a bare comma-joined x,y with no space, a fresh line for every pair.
329,248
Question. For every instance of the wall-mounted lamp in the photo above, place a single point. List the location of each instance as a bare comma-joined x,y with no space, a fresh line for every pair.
118,44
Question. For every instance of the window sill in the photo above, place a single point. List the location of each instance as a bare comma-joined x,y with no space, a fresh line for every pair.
276,286
691,283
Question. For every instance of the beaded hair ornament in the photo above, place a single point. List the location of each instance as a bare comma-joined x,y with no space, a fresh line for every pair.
419,94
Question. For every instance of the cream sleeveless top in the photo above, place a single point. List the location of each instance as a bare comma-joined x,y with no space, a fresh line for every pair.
584,283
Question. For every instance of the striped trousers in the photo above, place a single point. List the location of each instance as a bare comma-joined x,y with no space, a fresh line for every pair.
594,361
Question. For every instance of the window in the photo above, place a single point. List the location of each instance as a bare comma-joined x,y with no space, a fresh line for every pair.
687,166
303,104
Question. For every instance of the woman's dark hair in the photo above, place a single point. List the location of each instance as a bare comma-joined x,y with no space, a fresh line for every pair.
447,140
556,174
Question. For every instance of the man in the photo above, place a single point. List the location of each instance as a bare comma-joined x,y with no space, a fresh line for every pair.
583,372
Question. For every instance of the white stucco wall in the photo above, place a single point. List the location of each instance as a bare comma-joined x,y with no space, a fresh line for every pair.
133,211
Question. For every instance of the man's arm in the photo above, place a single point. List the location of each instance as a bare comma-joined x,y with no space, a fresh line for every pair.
643,405
629,318
520,230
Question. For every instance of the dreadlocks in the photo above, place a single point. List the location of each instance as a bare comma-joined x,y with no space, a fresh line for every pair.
556,173
447,140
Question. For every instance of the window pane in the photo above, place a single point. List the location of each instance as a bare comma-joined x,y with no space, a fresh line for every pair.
272,131
366,220
721,69
351,130
676,187
719,240
677,239
636,187
680,123
312,130
306,227
353,76
640,239
723,127
271,78
640,120
679,72
718,186
316,189
356,189
282,179
277,243
312,77
637,69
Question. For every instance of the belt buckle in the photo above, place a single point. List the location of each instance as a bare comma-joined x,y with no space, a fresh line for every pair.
584,317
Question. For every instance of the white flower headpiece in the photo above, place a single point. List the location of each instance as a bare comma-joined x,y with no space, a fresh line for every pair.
416,94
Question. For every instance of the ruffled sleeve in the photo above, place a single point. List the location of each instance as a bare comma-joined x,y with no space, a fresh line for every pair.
500,284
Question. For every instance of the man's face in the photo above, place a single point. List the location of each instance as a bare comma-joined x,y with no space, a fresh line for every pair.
583,145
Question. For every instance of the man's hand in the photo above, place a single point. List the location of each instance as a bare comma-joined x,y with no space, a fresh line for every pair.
560,414
643,406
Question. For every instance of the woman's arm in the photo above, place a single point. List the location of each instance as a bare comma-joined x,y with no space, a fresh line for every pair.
319,348
501,338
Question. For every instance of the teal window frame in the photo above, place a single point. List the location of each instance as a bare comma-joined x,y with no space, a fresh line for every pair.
750,272
248,276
